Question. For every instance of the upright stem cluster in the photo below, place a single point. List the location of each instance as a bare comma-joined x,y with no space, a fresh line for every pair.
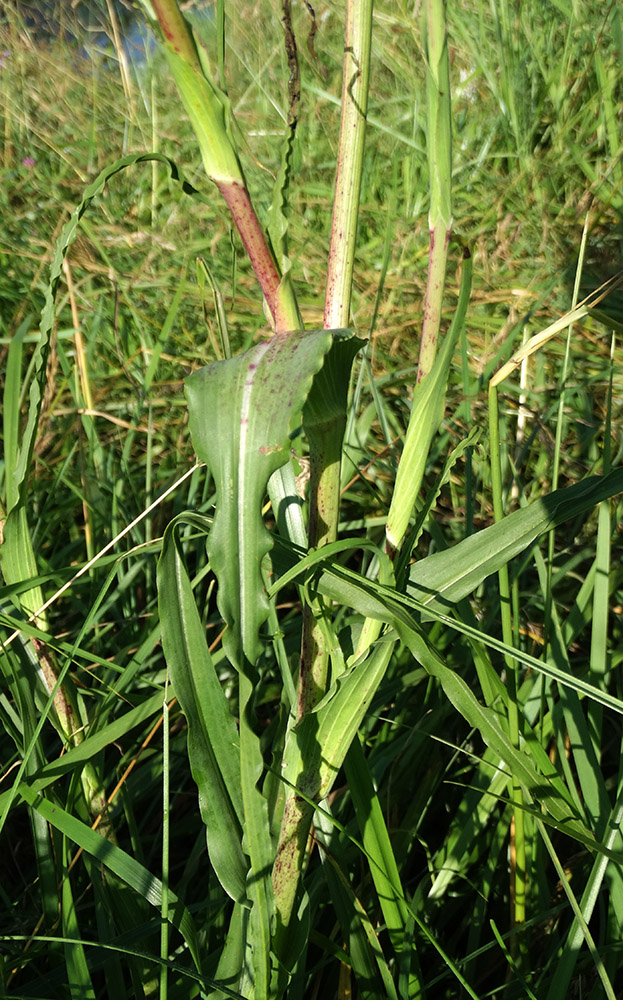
206,108
326,448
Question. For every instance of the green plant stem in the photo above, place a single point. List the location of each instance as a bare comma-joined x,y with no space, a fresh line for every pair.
440,173
207,109
324,485
326,446
164,905
355,85
518,850
239,203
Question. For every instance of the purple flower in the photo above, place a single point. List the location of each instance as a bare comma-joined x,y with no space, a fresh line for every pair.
3,56
28,161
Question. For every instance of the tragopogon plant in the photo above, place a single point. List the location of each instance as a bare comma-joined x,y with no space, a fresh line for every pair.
258,816
266,788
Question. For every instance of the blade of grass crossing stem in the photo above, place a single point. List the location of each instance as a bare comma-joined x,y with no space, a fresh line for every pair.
121,864
560,424
31,748
472,816
75,960
366,955
511,961
518,846
571,721
48,773
383,869
492,862
323,817
584,910
439,146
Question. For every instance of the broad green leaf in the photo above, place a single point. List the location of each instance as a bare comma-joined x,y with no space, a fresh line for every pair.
241,411
316,746
213,744
326,403
446,577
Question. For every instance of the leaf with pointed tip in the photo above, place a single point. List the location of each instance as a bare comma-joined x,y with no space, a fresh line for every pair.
446,577
212,734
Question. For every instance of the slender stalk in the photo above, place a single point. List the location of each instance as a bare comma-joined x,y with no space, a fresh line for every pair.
164,906
355,85
207,110
560,425
518,847
440,173
326,450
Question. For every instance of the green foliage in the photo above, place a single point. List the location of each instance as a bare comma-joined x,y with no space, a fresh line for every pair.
441,749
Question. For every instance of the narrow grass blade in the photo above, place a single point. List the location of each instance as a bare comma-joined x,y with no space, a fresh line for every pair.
446,577
368,962
212,735
383,867
426,415
75,958
121,864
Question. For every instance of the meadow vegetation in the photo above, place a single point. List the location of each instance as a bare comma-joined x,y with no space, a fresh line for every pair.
155,284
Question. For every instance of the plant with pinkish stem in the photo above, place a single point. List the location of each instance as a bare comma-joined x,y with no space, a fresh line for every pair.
262,786
245,445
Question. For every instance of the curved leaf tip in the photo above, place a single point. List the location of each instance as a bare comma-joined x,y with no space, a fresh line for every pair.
240,413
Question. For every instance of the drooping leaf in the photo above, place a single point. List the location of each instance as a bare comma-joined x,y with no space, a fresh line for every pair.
321,745
316,747
241,411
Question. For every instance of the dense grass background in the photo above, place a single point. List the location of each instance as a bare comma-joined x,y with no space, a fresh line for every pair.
538,103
